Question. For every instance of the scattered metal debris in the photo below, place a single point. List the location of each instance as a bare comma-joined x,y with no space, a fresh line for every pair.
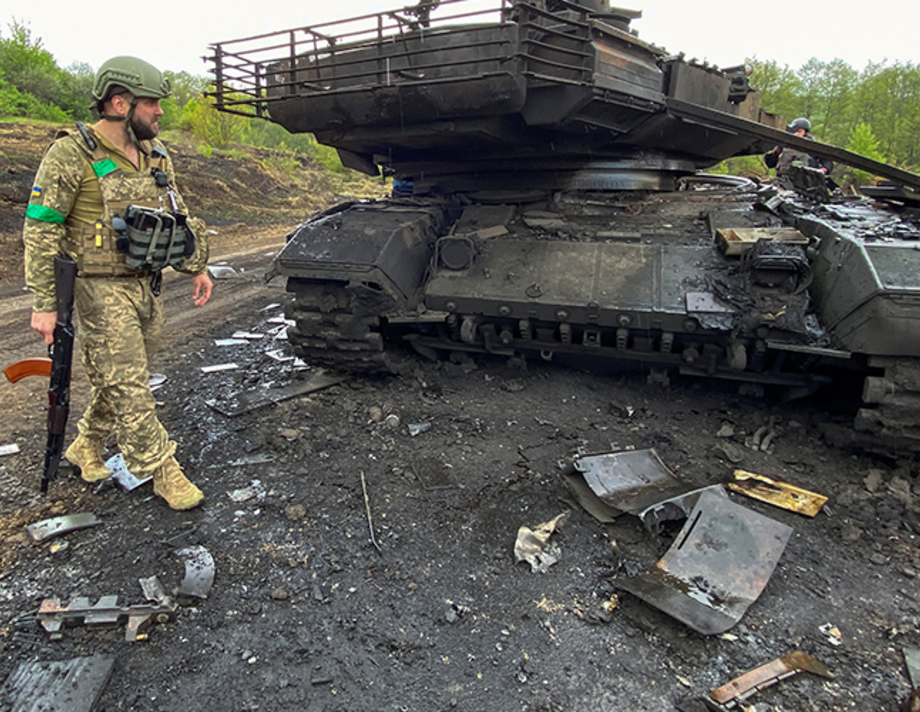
279,355
153,590
248,460
367,507
717,566
220,367
230,342
533,546
912,660
105,612
221,271
246,401
122,475
763,437
780,494
157,380
11,449
199,572
248,335
418,428
56,526
730,695
254,491
66,686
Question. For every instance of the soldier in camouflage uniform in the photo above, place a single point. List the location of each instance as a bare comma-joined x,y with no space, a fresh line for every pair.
97,192
784,158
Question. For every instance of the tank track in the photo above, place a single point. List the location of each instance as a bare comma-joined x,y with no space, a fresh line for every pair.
889,422
333,329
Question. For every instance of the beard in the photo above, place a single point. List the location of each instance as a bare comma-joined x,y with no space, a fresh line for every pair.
144,130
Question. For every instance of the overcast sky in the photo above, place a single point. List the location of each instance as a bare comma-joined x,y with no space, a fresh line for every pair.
176,33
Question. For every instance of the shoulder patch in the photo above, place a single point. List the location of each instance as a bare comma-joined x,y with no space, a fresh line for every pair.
36,191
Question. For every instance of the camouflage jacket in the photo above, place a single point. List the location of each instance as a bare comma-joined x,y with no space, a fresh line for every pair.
67,201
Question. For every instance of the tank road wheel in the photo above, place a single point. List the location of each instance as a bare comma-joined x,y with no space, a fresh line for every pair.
329,330
890,416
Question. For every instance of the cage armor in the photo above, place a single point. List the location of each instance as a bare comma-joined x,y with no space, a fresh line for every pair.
136,233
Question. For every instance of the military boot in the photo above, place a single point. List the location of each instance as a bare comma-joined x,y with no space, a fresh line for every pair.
85,455
172,485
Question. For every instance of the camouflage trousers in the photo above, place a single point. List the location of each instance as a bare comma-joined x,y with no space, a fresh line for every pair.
119,323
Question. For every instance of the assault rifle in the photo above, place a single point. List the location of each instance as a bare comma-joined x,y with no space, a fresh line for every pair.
61,353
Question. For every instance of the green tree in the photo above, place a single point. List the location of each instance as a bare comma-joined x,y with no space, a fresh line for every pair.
862,141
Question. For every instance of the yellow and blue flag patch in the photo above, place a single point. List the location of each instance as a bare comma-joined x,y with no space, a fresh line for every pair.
36,192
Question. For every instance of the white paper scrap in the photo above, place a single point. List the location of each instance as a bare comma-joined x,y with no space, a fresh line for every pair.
9,449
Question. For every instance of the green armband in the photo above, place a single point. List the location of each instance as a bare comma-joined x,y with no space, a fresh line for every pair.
44,214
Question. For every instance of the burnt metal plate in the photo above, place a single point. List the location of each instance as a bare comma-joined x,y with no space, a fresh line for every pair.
67,686
630,481
717,566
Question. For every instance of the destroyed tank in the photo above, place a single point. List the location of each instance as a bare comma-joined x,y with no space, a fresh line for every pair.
549,203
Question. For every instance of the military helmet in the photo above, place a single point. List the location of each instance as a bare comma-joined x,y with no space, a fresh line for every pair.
140,78
800,123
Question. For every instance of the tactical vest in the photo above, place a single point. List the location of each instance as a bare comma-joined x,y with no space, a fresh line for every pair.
136,233
791,157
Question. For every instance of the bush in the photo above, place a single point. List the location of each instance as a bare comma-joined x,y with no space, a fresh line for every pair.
15,103
215,128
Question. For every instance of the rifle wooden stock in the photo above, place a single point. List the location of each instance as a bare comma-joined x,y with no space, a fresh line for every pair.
28,367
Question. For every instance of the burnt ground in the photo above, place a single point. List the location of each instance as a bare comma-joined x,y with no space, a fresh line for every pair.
306,614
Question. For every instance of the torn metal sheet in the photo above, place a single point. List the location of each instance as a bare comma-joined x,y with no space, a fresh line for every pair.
590,502
912,660
730,695
675,508
11,449
199,572
717,566
105,612
780,494
121,475
247,401
66,686
534,547
248,335
56,526
630,480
